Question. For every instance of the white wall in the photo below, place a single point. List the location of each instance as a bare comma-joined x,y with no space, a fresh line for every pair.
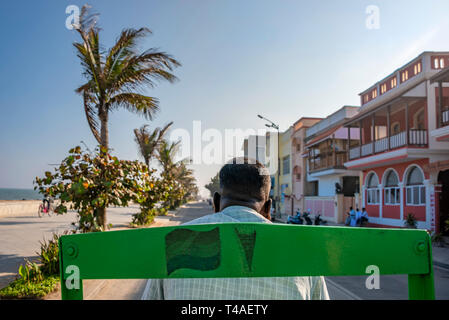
326,185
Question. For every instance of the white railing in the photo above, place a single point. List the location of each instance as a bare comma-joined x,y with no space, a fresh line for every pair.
417,137
398,140
354,153
445,117
381,145
367,149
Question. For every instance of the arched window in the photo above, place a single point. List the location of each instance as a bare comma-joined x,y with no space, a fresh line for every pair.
418,120
372,191
415,189
391,190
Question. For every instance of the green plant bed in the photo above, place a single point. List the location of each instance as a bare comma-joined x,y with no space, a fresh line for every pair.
21,289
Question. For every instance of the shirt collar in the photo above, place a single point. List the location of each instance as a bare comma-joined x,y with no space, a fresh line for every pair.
243,214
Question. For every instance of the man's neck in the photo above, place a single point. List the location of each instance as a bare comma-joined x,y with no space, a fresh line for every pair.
227,204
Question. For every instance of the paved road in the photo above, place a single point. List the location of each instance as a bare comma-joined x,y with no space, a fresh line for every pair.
19,239
20,236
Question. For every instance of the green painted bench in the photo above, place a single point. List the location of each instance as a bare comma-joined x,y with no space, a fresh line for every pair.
245,250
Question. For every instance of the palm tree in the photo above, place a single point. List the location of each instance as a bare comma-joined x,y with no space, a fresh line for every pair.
177,174
185,177
116,77
166,155
149,142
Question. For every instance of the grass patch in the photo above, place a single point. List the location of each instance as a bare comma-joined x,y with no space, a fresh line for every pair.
21,289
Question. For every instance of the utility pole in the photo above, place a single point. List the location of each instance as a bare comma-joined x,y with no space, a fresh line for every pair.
278,189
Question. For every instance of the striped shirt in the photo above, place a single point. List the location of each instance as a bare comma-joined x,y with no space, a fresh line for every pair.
285,288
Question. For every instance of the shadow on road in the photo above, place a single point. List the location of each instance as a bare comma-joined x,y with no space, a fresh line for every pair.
9,265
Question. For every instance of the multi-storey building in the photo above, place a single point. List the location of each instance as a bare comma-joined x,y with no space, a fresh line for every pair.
402,144
331,187
299,164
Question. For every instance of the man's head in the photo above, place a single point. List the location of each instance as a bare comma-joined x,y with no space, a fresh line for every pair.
244,182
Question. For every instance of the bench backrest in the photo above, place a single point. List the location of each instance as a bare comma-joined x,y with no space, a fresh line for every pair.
245,250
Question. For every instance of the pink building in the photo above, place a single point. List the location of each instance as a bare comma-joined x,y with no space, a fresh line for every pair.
403,145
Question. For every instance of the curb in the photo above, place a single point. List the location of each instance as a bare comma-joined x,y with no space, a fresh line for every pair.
441,265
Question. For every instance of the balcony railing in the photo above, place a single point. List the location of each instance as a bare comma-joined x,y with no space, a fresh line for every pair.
445,117
328,160
415,138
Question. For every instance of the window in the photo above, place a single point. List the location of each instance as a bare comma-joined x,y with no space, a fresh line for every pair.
286,165
374,94
372,191
394,82
415,190
392,193
366,98
419,120
404,75
298,147
298,176
383,88
438,63
417,68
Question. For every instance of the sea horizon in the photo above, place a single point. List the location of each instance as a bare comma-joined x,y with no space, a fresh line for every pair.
19,194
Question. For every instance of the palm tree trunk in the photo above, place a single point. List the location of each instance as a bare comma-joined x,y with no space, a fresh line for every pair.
104,129
104,144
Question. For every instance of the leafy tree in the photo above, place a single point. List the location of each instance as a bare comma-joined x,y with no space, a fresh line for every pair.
89,183
214,185
187,181
116,77
177,174
149,142
153,194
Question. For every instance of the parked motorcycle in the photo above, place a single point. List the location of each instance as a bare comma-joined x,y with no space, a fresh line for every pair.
295,219
306,216
319,221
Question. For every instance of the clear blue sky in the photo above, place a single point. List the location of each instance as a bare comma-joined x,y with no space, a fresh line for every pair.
283,59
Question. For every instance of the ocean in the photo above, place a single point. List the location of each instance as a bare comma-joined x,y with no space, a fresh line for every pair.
19,194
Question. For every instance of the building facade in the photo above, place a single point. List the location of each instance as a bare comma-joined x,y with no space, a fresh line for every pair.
299,184
336,188
402,145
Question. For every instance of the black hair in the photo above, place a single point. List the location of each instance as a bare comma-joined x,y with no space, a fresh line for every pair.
245,178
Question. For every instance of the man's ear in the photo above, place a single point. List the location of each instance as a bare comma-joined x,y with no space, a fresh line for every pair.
266,209
217,199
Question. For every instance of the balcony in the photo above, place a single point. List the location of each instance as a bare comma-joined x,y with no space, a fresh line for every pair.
328,160
416,138
401,123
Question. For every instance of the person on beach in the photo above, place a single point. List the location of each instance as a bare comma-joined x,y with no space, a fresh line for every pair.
243,197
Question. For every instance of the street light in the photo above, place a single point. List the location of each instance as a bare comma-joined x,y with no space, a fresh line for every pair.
275,126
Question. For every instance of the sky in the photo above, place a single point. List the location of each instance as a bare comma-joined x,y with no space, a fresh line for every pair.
283,59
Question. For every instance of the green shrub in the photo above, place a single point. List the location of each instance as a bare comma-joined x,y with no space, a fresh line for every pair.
30,272
411,222
21,289
49,254
144,218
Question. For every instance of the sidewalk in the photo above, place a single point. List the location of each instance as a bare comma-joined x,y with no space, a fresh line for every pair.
440,254
132,289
